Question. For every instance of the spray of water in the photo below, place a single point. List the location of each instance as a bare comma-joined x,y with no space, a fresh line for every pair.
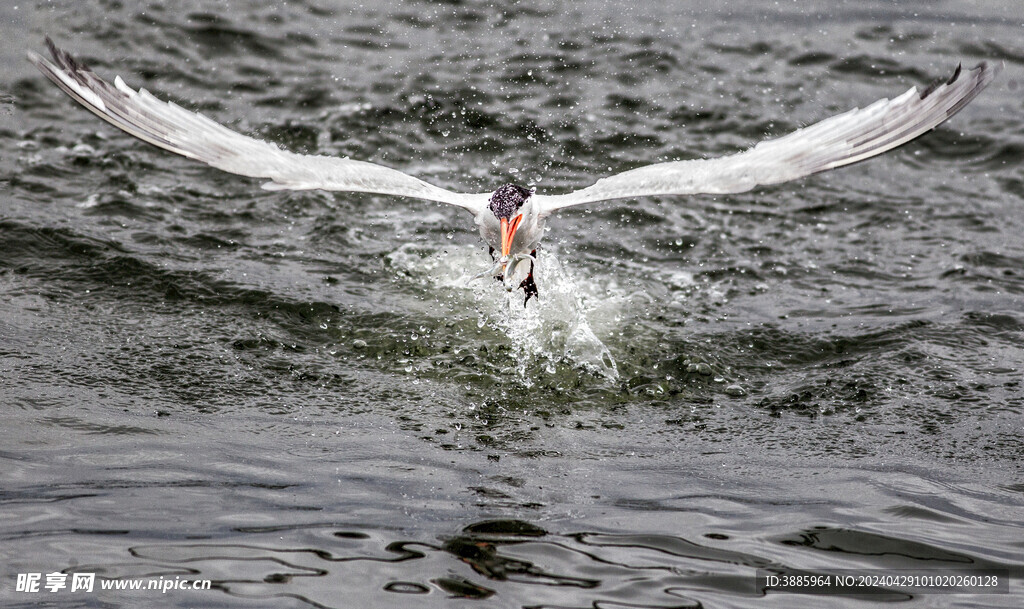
556,327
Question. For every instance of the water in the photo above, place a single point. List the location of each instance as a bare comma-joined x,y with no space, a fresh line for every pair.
299,396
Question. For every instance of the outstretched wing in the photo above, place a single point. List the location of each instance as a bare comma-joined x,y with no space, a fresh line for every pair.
169,126
847,138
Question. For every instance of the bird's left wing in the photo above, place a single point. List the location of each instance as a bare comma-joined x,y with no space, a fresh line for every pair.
171,127
841,140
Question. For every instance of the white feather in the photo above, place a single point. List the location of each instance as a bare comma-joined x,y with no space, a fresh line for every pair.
847,138
841,140
168,126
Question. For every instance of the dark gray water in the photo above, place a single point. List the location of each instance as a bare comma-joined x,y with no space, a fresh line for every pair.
298,397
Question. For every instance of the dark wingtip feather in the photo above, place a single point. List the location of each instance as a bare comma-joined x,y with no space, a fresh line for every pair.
66,60
67,63
58,55
940,82
982,75
956,74
982,66
930,89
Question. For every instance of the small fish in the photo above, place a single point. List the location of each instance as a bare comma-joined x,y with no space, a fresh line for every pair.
495,270
510,271
505,268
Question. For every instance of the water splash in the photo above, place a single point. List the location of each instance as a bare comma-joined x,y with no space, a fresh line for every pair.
555,327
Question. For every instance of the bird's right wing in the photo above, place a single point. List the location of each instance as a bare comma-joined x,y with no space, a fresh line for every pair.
169,126
841,140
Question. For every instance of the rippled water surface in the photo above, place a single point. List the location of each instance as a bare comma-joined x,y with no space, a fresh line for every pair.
298,396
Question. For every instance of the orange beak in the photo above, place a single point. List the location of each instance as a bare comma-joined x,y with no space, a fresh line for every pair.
508,232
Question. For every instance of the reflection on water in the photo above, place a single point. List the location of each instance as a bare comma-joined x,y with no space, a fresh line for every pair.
514,559
299,395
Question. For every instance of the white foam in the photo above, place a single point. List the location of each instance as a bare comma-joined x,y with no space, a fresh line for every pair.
556,327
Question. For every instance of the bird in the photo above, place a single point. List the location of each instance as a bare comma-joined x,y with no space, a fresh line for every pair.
511,219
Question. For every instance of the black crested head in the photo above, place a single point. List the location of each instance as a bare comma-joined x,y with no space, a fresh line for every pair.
507,200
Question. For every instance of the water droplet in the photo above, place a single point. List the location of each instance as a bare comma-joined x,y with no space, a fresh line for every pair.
735,391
